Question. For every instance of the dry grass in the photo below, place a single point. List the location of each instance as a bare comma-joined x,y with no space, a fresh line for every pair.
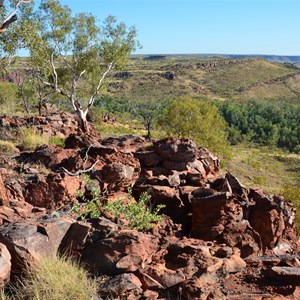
270,169
7,147
30,140
54,279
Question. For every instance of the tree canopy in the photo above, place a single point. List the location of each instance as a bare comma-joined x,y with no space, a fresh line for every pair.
198,120
265,123
73,55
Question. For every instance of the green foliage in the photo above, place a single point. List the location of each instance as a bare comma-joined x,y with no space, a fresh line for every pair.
292,193
73,55
57,141
138,214
30,140
198,120
266,123
91,207
269,169
50,279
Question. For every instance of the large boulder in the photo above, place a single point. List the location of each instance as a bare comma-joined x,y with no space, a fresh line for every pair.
28,242
126,251
5,265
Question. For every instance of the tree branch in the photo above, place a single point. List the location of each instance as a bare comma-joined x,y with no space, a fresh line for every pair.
92,99
12,16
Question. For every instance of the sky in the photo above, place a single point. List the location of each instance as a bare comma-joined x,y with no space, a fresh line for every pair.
205,26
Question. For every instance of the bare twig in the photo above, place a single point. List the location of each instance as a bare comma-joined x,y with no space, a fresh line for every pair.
77,173
86,157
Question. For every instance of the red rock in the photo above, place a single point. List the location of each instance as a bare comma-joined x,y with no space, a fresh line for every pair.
123,285
104,255
5,265
176,150
148,158
53,191
207,213
126,143
28,242
3,193
233,264
6,215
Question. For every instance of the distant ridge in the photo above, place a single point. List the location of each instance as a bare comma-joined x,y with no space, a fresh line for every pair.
295,59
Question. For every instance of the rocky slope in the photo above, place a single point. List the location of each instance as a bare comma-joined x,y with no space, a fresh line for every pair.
218,240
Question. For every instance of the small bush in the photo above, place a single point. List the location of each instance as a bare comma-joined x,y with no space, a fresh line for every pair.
54,278
138,214
30,140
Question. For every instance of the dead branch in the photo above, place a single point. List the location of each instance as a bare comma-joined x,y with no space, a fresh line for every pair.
77,173
86,157
12,17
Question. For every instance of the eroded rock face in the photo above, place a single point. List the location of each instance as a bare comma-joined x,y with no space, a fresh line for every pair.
127,251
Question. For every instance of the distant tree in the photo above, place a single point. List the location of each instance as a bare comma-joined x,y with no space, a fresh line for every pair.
198,120
148,111
73,55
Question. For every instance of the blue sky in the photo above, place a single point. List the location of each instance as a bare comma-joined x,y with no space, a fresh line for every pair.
203,26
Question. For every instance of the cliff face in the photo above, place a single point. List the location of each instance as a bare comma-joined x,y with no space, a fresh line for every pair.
219,239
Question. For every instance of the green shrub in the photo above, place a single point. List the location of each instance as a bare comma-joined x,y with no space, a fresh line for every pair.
138,214
91,207
260,180
197,120
30,140
54,278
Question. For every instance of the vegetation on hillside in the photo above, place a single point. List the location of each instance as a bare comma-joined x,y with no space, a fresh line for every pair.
265,123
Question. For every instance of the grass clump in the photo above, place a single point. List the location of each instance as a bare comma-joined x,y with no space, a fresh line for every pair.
137,213
54,278
7,147
57,141
30,140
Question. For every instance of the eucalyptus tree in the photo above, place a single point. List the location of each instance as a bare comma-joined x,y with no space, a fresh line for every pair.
73,54
11,36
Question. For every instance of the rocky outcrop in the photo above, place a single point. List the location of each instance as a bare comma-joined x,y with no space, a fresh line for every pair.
60,124
218,239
